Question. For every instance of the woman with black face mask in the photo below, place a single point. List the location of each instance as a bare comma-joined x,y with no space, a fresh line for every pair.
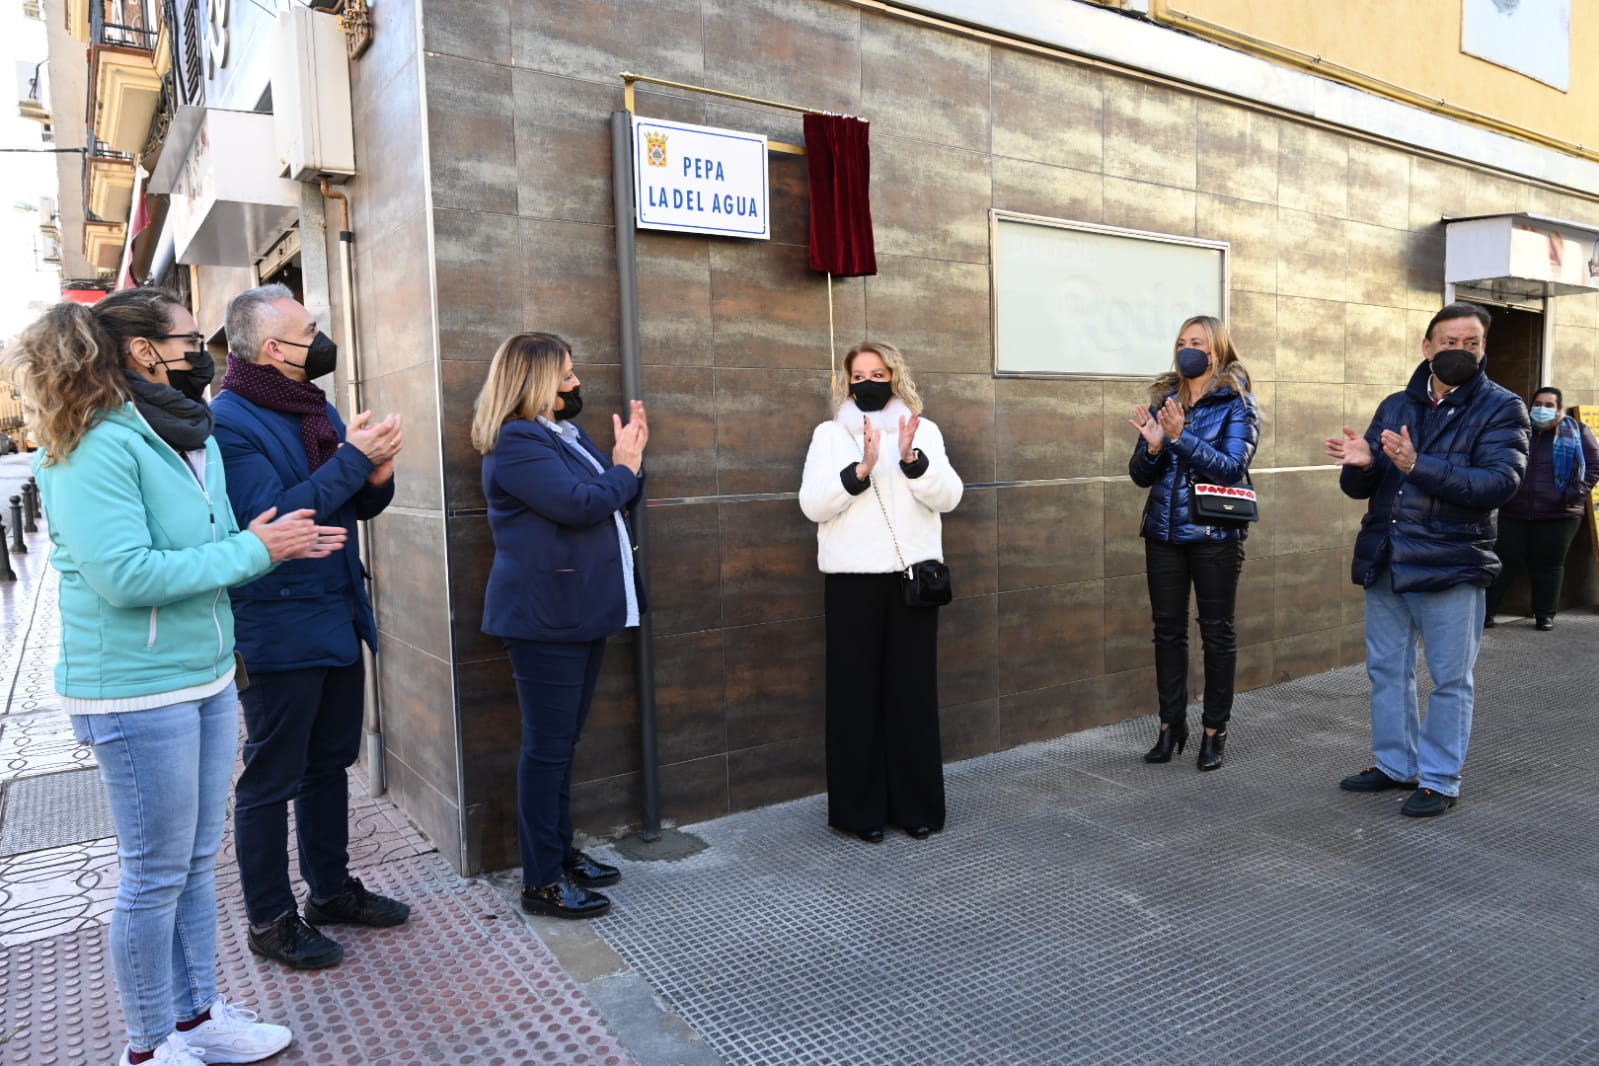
1200,426
876,481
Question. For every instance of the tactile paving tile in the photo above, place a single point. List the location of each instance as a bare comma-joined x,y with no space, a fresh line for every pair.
1084,907
465,981
52,810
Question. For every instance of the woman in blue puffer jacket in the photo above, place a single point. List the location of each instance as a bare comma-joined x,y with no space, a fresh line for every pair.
1201,425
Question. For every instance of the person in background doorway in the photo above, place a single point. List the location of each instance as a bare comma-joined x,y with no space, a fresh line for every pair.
563,581
147,547
1201,424
876,481
1436,461
1536,526
301,627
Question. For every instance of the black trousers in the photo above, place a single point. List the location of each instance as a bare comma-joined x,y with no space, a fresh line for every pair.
1212,569
884,762
1539,549
302,731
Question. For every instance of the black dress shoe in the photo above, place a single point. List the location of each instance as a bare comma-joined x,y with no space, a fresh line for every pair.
295,944
356,906
919,832
1488,621
1172,737
1211,748
564,899
873,835
1545,623
590,872
1372,779
1425,803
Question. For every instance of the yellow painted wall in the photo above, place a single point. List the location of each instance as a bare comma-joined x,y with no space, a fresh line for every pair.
1416,44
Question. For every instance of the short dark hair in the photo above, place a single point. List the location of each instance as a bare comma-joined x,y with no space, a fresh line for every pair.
1460,310
1560,400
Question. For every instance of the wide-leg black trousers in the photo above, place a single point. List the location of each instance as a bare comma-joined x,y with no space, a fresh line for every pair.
885,765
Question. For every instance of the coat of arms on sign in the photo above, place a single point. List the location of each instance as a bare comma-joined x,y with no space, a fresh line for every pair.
656,149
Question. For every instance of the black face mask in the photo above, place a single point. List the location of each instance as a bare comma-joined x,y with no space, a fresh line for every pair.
1454,366
192,382
321,355
871,395
571,404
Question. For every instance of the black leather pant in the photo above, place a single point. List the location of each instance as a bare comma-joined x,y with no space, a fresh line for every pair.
1212,569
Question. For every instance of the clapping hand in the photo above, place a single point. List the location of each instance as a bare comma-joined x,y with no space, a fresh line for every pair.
1350,450
871,441
1172,418
907,437
296,535
378,441
1399,450
631,438
1149,427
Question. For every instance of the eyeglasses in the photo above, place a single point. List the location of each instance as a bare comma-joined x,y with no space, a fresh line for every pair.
193,338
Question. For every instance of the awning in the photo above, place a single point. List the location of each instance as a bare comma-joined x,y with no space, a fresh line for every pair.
1521,256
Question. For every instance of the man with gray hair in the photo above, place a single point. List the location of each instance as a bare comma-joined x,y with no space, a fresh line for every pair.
300,628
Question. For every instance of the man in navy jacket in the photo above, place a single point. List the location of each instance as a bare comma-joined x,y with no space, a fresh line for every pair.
300,628
1437,461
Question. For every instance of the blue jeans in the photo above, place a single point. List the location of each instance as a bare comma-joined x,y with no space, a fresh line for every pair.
555,686
166,773
1450,622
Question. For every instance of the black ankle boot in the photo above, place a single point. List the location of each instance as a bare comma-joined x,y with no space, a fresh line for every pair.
1172,737
1211,747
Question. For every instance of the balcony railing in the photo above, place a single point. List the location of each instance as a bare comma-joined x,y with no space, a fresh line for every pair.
122,23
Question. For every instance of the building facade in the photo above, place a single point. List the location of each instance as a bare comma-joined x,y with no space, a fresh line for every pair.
1330,159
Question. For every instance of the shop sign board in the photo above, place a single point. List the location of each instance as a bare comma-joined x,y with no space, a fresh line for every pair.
696,179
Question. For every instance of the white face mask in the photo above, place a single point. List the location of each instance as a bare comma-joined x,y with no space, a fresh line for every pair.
1544,417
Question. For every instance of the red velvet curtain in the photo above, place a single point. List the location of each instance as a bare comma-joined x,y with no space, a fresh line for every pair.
840,162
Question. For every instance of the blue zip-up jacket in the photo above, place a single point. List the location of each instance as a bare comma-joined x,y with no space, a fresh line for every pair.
557,572
1217,443
1435,526
308,612
146,556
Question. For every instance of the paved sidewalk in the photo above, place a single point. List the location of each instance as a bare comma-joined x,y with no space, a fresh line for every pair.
1082,907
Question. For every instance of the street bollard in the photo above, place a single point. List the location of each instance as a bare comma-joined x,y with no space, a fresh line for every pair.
17,547
38,501
30,506
6,573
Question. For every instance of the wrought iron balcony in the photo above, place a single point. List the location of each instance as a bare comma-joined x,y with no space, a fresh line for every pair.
123,24
124,84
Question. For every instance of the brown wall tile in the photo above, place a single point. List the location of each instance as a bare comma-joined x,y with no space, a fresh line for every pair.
412,601
674,295
969,533
784,50
435,813
1313,170
1128,694
595,39
681,460
1307,414
968,655
394,46
563,146
1045,713
1306,654
1377,264
1121,397
475,29
419,713
411,394
1051,635
1377,347
1069,132
1150,134
392,271
473,253
610,741
1041,539
769,562
1307,512
948,334
692,791
962,406
1124,519
1251,228
569,272
930,201
1379,185
1255,612
471,557
774,772
769,308
1308,596
691,718
1053,192
1144,206
387,111
1237,153
1252,320
1128,628
1312,251
902,66
968,730
471,134
764,423
776,683
463,465
1046,429
685,568
1310,340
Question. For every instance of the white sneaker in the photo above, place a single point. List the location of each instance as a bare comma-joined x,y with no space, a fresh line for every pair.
174,1051
233,1034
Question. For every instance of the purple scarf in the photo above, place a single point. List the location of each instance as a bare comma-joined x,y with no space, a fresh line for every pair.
266,386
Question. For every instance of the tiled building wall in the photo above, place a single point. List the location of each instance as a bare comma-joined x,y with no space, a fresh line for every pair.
1337,264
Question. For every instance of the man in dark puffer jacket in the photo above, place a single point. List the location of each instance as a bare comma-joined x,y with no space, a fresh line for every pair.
1438,459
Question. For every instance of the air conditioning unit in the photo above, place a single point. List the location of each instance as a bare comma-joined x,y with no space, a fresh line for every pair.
311,97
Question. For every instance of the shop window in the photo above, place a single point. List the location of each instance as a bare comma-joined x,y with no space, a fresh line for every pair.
1072,299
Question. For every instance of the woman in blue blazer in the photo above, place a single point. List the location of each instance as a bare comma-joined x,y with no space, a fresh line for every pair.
563,581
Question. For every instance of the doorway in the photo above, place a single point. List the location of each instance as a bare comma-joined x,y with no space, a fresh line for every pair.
1515,349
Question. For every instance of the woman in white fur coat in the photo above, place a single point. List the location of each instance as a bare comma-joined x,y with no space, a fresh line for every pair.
876,481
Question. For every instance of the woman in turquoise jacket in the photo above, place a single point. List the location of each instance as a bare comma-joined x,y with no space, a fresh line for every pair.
147,547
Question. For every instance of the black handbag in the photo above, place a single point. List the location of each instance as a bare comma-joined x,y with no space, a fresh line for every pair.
1220,505
923,584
